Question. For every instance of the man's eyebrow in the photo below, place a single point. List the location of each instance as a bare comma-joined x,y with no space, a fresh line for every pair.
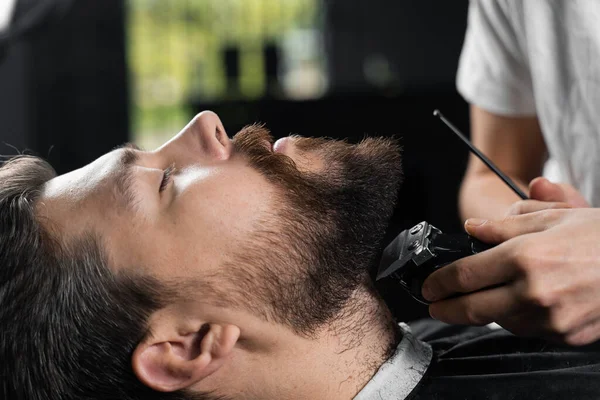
124,181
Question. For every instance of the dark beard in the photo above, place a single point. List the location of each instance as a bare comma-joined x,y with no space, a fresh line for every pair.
302,266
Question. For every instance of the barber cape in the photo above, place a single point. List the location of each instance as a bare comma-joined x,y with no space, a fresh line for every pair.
436,361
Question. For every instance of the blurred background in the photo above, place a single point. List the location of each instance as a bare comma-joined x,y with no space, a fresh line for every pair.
78,78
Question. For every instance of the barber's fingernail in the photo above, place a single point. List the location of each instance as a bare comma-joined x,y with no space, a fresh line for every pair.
432,312
473,222
538,179
427,292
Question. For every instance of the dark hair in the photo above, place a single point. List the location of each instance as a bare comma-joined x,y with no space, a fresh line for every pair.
68,325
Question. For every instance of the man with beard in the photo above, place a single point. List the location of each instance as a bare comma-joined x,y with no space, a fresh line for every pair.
220,269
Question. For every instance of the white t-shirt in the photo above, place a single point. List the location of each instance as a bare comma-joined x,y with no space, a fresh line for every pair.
541,57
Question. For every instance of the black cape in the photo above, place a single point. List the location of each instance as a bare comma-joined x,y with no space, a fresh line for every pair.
480,363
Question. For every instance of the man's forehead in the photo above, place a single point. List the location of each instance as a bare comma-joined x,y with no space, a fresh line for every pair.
81,199
80,183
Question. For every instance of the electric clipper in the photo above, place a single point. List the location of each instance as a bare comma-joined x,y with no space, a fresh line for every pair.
419,251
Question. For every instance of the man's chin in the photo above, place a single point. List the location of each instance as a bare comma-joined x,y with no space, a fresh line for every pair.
336,201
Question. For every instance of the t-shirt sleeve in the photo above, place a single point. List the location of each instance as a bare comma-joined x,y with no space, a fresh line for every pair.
493,73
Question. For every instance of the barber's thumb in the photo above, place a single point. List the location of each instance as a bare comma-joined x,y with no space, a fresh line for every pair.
543,190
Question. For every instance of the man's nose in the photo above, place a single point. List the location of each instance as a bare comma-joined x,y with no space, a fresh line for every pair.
203,137
210,132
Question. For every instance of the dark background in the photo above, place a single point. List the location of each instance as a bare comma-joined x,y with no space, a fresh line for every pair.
64,95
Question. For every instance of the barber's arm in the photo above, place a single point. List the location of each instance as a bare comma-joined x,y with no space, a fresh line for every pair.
494,77
516,146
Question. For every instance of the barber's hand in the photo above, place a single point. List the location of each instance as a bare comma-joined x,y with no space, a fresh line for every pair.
542,280
546,195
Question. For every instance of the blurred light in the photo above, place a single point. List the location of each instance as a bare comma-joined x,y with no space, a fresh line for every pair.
378,71
215,51
7,8
303,73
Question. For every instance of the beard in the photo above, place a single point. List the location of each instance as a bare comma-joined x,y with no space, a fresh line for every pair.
304,263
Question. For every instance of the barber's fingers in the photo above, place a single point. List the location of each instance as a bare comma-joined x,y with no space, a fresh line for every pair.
530,206
576,317
502,230
489,268
492,267
479,308
589,333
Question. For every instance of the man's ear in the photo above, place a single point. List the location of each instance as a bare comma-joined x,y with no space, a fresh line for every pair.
169,361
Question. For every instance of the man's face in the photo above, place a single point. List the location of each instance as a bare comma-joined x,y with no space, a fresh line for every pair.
172,228
240,218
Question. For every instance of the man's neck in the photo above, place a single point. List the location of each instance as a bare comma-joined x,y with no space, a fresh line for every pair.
335,365
359,346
